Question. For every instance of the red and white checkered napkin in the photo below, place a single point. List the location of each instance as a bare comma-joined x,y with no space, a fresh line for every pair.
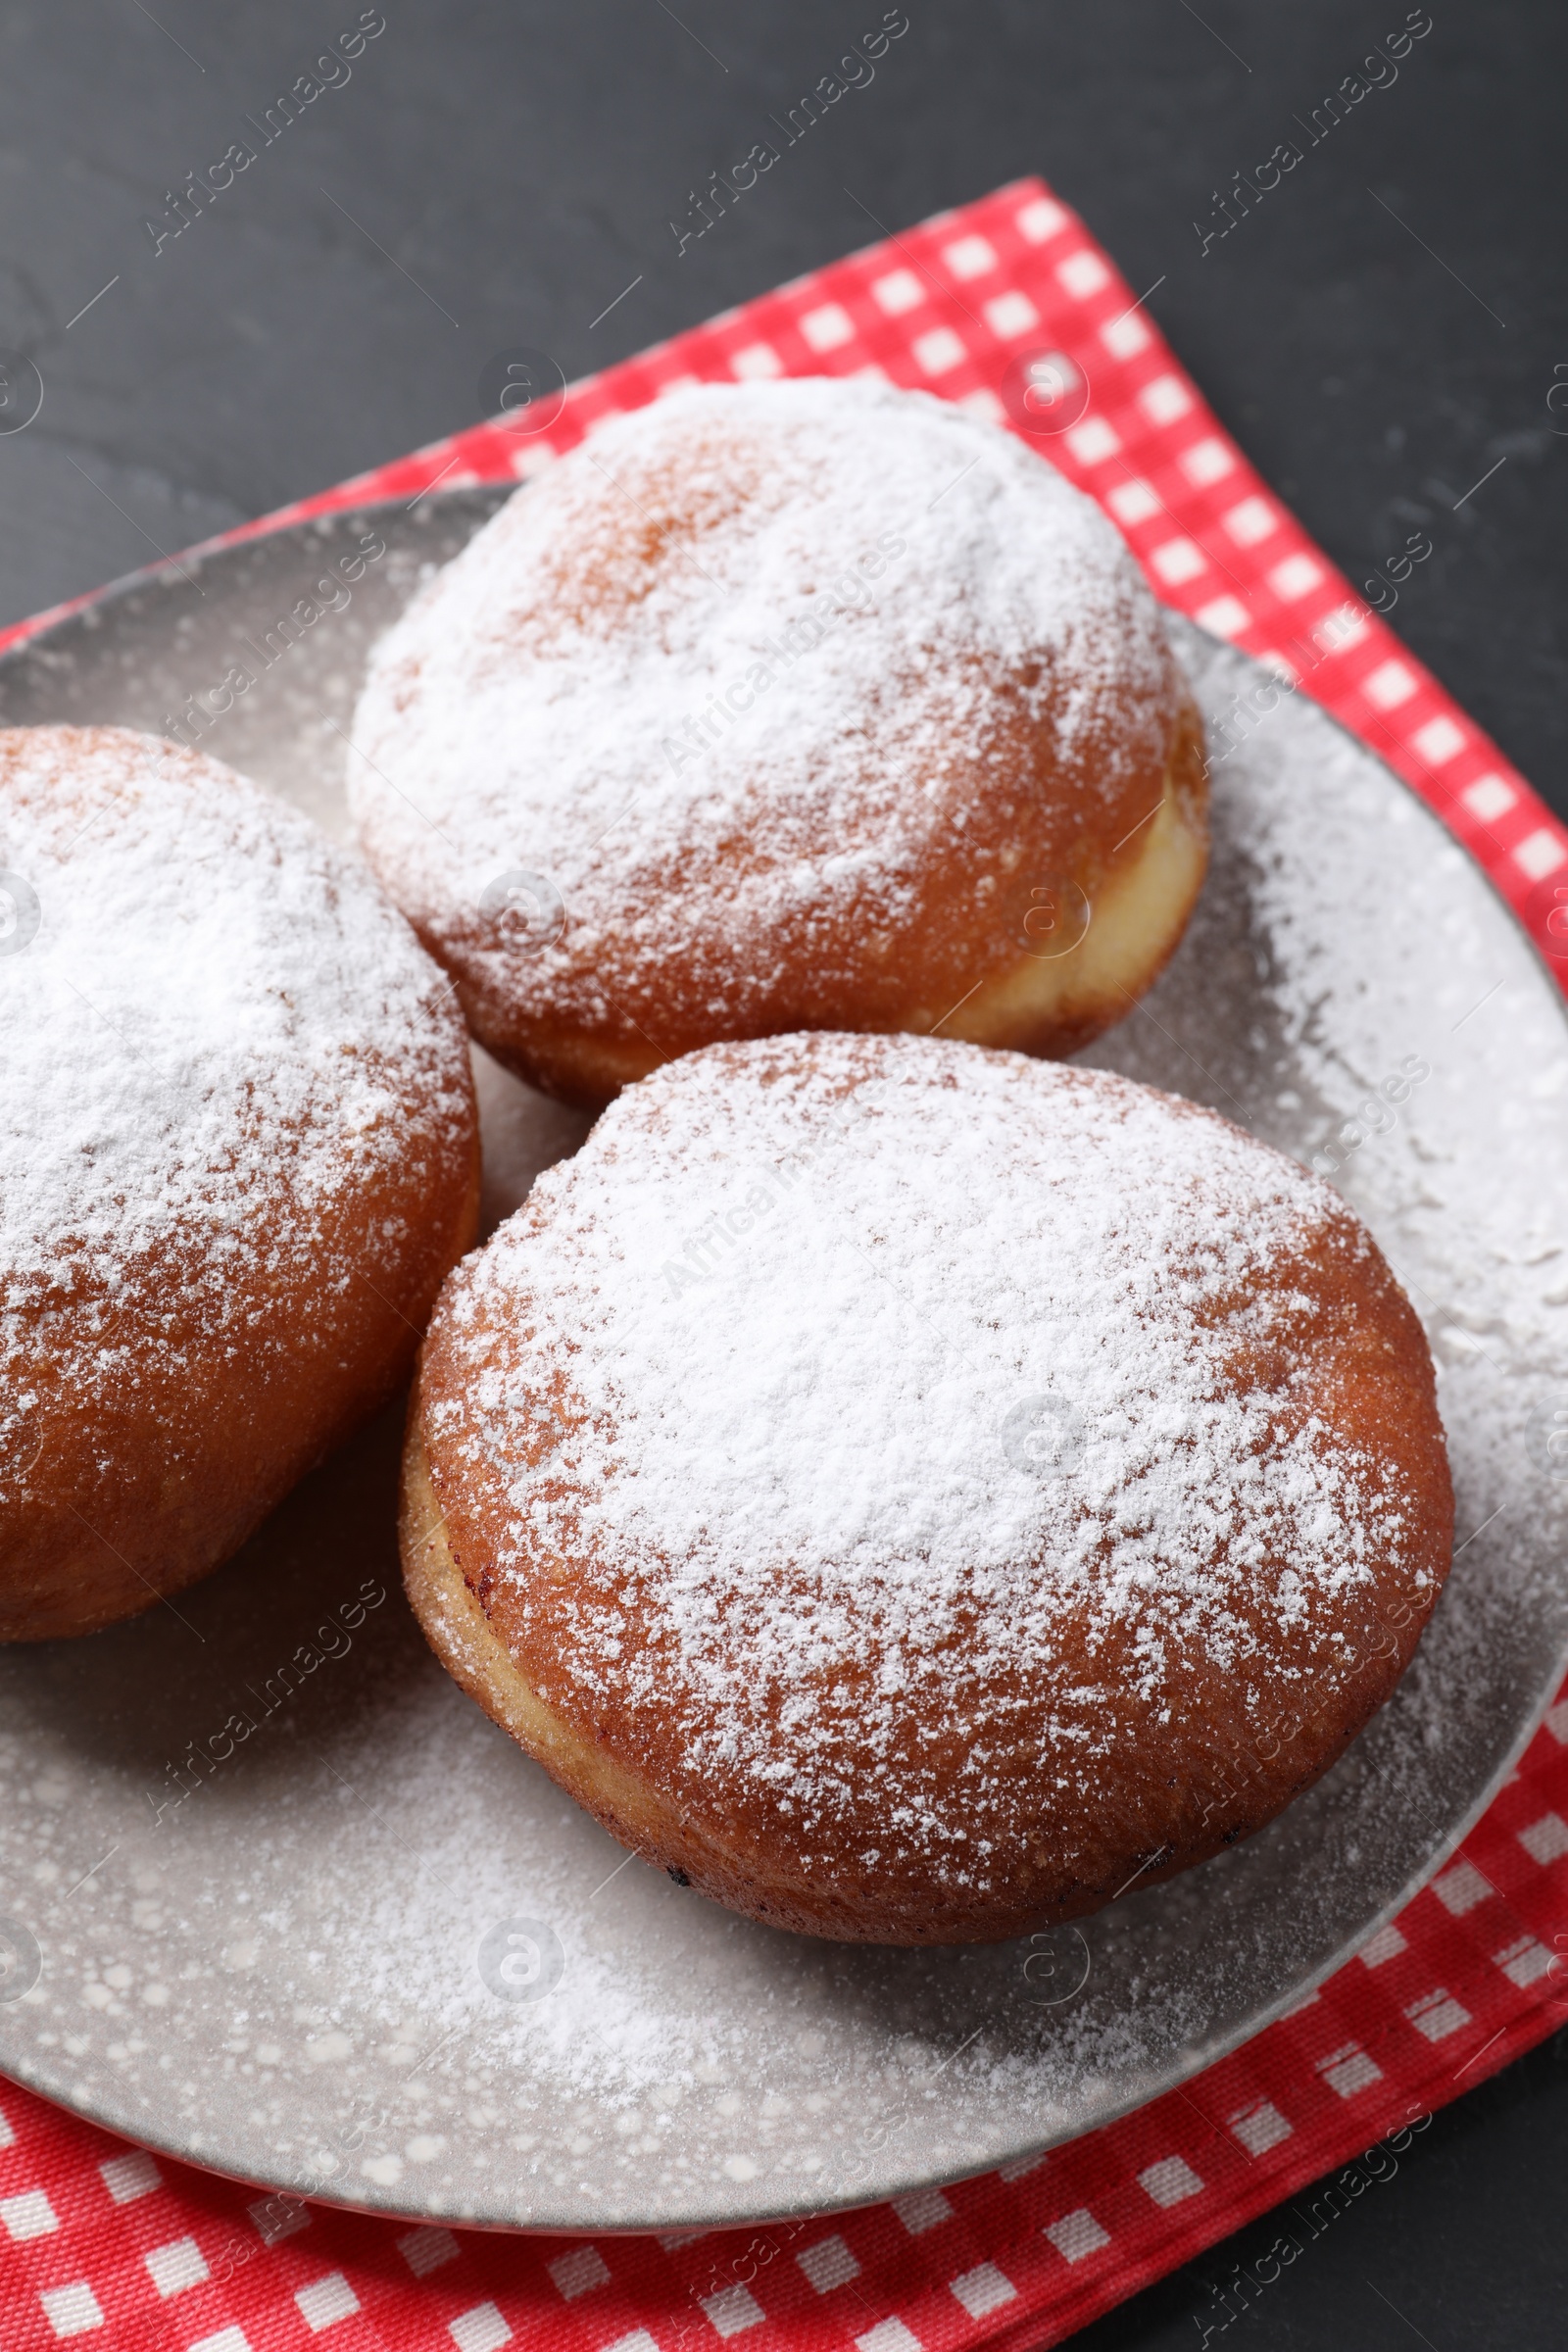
94,2236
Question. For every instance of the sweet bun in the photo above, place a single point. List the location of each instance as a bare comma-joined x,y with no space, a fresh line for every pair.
239,1156
809,705
910,1491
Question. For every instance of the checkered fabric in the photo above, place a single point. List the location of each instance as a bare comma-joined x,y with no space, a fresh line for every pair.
98,2239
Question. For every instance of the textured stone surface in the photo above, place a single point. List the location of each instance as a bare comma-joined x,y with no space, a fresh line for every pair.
511,169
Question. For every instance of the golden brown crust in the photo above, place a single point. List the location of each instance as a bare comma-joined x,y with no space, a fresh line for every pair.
900,877
170,1371
121,1509
1222,1779
1188,1768
1124,902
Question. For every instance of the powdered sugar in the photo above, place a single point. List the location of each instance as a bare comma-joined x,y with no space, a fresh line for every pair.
1337,921
220,1018
728,678
830,1313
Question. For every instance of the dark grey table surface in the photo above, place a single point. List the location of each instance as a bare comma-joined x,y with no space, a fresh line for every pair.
1386,333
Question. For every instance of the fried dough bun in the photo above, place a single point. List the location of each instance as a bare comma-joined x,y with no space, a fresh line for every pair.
808,705
910,1491
241,1156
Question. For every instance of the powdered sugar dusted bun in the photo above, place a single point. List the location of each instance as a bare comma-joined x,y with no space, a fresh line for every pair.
239,1156
790,706
909,1491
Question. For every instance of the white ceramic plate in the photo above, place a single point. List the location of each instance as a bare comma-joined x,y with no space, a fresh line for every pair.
284,1973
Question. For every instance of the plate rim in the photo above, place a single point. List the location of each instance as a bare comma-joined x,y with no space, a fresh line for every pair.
117,2115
